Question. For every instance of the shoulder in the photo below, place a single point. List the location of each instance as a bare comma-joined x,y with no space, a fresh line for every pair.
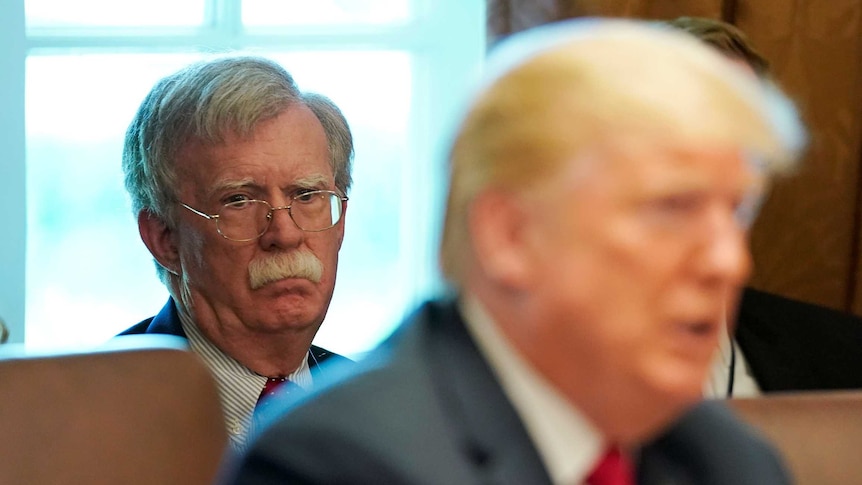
711,445
167,321
390,374
361,416
138,328
764,309
790,344
381,419
395,352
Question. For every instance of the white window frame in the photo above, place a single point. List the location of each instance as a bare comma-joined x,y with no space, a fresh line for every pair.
13,213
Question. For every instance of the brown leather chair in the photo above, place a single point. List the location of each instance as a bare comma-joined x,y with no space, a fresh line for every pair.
140,410
819,433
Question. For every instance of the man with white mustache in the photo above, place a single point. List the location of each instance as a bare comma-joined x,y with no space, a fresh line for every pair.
239,183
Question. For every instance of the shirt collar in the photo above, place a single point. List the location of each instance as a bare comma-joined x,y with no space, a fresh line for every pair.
238,386
567,442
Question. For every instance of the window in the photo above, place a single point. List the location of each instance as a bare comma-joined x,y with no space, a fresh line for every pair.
395,67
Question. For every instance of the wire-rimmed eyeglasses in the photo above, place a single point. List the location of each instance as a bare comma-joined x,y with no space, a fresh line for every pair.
247,220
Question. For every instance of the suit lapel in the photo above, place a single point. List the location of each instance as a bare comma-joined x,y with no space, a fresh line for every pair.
167,321
492,436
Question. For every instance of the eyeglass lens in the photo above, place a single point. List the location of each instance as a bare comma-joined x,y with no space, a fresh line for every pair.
249,219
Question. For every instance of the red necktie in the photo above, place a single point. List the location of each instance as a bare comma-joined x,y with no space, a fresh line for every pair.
272,383
613,469
273,386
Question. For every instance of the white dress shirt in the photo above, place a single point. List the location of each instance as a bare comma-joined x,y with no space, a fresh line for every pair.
730,359
568,444
238,387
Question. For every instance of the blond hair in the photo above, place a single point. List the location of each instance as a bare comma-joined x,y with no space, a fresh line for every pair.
555,91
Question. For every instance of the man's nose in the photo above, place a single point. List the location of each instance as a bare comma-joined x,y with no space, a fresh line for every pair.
726,255
282,233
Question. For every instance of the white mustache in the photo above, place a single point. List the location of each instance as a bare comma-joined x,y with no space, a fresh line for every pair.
294,264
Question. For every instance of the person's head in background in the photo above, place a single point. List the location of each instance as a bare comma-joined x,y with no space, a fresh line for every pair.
601,220
205,142
727,39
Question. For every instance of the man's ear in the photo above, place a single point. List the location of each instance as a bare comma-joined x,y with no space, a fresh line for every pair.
497,223
159,239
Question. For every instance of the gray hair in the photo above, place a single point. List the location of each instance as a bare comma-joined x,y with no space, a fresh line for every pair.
205,101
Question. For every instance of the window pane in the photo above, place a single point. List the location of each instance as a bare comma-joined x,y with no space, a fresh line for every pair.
324,12
84,257
114,13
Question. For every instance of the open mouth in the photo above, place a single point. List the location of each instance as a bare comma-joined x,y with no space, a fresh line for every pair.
702,328
699,337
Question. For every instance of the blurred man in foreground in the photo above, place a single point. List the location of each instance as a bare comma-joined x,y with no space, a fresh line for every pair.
239,182
601,187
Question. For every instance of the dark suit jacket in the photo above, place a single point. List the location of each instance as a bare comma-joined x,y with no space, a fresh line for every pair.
425,408
792,345
168,322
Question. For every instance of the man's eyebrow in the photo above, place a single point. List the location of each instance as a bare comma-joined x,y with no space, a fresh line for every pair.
231,184
315,180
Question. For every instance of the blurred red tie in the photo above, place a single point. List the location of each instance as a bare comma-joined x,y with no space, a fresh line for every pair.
273,386
614,468
272,383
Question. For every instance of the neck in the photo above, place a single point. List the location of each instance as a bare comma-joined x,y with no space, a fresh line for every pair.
266,353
